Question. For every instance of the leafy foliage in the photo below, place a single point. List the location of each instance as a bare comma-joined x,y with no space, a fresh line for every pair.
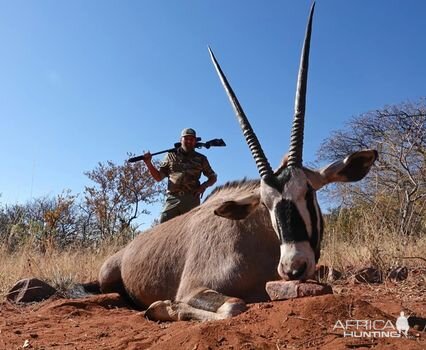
107,209
396,184
115,197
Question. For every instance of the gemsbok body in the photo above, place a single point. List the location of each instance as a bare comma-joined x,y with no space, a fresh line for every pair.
208,263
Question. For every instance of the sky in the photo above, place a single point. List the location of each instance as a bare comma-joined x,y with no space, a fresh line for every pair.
87,81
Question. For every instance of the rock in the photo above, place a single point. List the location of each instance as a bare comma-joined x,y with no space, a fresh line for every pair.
30,290
282,290
398,274
367,275
325,273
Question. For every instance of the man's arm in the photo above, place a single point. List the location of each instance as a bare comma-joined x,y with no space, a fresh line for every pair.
211,178
147,158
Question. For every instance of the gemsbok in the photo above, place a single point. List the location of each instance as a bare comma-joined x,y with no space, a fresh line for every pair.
208,263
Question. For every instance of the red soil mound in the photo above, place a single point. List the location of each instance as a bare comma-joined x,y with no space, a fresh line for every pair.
105,322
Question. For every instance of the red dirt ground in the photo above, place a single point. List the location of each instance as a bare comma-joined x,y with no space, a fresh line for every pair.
105,322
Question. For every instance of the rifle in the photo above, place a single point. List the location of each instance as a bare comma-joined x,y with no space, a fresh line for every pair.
207,144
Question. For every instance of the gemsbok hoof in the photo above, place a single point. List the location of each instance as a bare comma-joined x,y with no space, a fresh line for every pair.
161,310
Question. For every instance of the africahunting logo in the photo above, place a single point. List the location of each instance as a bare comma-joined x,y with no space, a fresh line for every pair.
374,328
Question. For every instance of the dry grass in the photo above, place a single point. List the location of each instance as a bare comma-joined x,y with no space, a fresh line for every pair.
363,240
384,253
60,268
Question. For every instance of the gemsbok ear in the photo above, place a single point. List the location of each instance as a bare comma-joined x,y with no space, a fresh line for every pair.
240,208
353,168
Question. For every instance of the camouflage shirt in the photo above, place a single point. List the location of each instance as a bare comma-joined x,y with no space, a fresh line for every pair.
184,170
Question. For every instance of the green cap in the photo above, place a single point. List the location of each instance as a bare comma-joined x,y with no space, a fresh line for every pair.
188,132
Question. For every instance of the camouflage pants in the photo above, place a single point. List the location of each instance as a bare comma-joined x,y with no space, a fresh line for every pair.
177,205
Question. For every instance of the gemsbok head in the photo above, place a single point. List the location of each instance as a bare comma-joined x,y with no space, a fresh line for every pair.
289,193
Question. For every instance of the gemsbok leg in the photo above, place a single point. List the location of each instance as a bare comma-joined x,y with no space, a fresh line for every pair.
202,305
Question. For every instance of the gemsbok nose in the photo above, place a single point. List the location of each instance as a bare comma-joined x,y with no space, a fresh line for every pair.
296,272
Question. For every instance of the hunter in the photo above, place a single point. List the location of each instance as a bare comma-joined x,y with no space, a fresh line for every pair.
183,169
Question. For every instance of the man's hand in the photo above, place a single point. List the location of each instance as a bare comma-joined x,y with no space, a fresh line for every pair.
200,190
147,157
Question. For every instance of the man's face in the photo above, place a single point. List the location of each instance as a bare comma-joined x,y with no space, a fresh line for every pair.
188,143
